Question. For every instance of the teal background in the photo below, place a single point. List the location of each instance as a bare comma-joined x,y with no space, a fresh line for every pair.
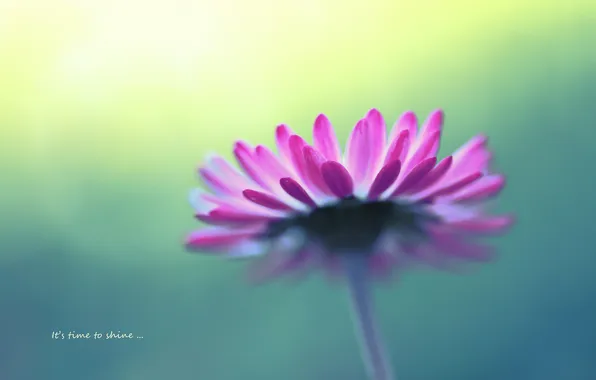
107,107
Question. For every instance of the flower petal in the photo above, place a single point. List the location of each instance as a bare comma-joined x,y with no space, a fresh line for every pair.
296,144
312,164
415,176
492,224
280,264
357,151
282,137
226,216
214,183
398,148
377,139
266,200
337,178
227,174
434,175
270,163
453,186
406,122
246,159
325,140
296,191
470,158
217,237
432,125
421,151
457,247
485,187
384,179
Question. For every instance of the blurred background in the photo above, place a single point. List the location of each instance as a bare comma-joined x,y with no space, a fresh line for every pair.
107,107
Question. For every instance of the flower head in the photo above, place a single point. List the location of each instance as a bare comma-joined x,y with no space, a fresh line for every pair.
385,199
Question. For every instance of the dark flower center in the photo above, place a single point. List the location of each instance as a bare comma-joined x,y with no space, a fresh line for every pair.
354,225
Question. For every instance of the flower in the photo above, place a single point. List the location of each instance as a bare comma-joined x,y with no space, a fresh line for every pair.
385,204
385,198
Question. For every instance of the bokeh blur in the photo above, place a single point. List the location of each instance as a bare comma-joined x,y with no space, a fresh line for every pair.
107,107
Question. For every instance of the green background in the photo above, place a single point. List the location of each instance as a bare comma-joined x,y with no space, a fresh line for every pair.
106,108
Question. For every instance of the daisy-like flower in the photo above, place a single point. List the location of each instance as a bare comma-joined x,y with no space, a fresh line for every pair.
383,204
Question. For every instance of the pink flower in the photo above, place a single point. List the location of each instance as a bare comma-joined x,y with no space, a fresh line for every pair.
384,204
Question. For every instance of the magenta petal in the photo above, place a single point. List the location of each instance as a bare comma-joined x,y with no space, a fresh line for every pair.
214,183
406,122
312,163
454,186
296,144
416,175
279,264
433,123
493,224
228,174
296,191
358,150
265,200
384,179
215,237
338,179
244,156
434,175
398,148
325,140
270,163
422,151
376,140
485,187
432,129
457,247
224,216
282,137
471,157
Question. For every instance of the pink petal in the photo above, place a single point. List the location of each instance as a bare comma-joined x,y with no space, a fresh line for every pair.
415,176
433,124
338,179
471,157
456,247
296,191
384,179
423,151
227,174
454,186
238,203
376,137
282,137
217,237
225,216
313,161
398,148
296,145
357,151
484,225
325,140
270,163
406,122
246,160
276,265
485,187
265,200
434,175
214,183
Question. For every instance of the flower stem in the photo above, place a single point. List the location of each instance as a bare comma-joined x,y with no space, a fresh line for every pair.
373,351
